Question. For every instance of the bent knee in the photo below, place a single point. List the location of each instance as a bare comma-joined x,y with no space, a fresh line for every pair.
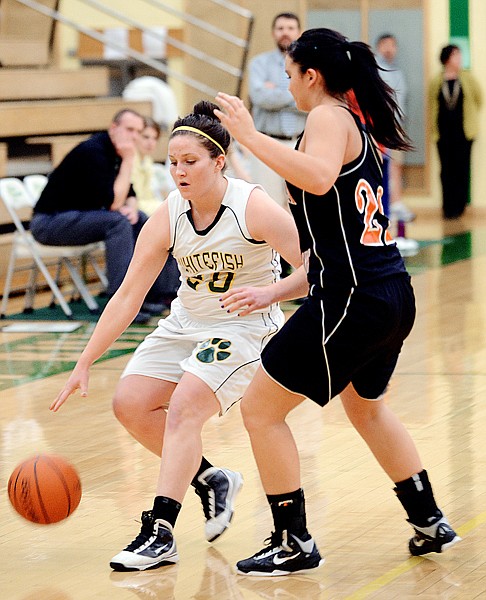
180,415
184,414
118,405
363,414
125,405
255,419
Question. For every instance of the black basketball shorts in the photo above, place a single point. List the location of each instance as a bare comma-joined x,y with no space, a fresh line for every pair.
345,338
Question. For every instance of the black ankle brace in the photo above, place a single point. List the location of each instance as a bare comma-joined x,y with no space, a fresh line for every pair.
288,512
417,498
166,509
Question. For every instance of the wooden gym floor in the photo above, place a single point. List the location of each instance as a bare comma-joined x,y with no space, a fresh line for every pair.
438,390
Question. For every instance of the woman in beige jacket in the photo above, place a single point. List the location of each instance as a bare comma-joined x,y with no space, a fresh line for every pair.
454,100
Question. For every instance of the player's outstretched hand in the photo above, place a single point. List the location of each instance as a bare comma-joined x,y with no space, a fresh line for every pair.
235,117
77,381
245,300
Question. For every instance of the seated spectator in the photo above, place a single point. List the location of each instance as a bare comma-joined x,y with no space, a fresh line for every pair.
89,198
149,189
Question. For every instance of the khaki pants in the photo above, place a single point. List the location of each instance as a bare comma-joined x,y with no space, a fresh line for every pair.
272,183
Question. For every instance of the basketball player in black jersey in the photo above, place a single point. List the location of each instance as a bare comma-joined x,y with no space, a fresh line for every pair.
360,306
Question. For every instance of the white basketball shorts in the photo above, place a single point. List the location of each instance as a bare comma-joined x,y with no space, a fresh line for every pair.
224,354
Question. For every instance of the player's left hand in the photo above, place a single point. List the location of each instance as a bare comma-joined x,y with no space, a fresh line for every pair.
235,117
245,300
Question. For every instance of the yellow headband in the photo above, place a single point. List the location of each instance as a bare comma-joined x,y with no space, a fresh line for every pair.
193,129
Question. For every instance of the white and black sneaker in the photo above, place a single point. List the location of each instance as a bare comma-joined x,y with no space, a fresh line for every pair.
217,490
153,547
285,554
435,538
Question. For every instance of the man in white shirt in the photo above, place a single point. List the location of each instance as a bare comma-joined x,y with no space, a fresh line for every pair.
273,106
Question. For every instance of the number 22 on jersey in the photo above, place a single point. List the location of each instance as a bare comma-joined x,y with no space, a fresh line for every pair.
369,205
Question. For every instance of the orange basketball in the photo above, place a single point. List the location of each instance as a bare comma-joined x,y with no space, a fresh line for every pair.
44,489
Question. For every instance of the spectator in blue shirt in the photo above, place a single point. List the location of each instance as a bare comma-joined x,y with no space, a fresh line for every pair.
273,106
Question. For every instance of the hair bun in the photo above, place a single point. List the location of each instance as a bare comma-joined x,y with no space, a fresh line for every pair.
205,108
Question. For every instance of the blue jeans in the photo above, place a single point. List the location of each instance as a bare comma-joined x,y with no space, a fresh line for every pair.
72,228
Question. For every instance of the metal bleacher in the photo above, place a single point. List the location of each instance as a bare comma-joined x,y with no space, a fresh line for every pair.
44,106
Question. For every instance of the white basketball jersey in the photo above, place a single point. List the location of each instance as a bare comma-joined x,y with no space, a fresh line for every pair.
222,256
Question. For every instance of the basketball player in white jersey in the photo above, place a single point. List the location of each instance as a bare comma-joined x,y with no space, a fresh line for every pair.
223,232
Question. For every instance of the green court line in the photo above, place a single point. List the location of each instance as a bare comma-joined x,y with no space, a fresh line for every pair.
36,357
409,564
441,252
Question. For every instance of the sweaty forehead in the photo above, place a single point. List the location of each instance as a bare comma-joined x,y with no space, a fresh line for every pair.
185,143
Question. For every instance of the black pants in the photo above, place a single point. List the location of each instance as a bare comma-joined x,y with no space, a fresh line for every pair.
85,227
455,163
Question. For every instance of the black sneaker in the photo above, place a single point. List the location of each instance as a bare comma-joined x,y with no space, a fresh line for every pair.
435,538
153,547
218,491
285,554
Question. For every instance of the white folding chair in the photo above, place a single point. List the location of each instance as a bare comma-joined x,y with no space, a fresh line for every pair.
16,199
35,184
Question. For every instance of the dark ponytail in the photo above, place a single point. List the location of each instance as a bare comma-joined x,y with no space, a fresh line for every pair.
204,119
347,66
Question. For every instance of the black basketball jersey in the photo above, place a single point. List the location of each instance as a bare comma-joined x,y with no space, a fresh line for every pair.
345,231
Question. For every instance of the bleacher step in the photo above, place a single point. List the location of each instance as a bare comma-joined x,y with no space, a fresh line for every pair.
48,117
39,84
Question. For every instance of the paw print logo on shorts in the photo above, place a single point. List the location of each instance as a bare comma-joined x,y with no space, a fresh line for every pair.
213,350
